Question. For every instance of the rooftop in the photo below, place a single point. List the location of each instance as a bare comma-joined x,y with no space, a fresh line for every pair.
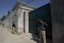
22,3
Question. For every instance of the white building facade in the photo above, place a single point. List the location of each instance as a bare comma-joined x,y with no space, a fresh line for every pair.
20,16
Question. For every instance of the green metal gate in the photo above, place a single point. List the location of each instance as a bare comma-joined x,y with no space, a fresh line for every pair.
43,12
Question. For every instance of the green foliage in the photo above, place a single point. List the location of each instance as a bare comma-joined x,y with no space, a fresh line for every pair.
8,13
3,18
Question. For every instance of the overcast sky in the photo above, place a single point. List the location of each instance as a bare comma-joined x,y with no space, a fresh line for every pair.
6,5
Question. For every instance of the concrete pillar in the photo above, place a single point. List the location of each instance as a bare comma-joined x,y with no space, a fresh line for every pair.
27,22
57,12
20,21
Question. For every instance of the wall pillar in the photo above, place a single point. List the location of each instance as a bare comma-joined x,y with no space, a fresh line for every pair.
57,12
20,21
27,22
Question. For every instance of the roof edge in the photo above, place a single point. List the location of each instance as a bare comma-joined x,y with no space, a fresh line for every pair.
20,2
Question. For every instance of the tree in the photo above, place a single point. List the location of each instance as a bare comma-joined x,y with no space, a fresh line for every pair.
8,13
3,18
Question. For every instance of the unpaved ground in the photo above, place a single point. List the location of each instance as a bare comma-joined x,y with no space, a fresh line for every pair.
7,37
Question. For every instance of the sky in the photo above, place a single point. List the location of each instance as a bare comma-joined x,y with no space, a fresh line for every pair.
6,5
